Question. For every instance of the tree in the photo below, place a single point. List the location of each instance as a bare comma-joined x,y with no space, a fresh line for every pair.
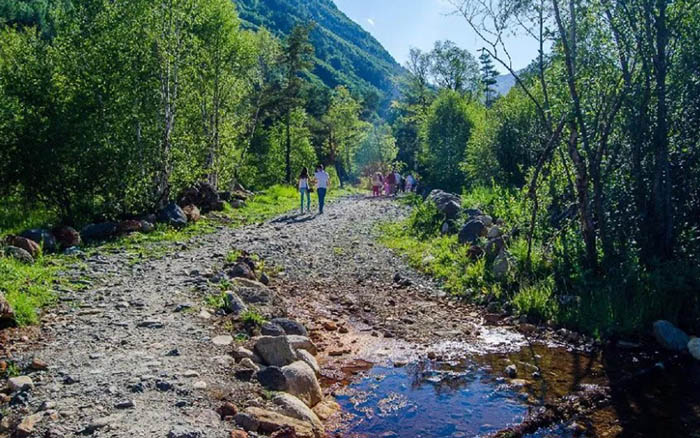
488,77
454,69
445,134
344,131
297,58
377,150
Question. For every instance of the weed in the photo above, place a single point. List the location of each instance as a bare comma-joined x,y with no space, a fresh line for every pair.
12,370
233,255
252,317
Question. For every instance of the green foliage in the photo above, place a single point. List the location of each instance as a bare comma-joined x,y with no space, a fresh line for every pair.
426,220
28,288
252,317
447,129
537,300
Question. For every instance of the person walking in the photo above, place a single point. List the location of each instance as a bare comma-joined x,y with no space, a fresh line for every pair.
304,189
410,183
391,182
377,183
322,180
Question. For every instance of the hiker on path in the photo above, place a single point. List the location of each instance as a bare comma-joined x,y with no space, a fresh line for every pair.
390,179
377,183
410,183
322,180
304,189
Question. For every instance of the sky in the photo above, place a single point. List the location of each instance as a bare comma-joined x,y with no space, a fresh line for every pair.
401,24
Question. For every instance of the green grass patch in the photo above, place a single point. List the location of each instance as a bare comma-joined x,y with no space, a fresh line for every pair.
28,288
252,317
17,215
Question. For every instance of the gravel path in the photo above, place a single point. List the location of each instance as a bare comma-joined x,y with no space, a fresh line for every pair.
133,353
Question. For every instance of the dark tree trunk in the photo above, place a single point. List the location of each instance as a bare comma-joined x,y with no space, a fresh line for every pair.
288,152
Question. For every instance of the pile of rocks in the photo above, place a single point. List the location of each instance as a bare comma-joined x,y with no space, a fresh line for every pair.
283,360
198,199
477,229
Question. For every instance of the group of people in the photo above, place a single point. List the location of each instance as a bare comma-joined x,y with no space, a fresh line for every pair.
392,183
320,180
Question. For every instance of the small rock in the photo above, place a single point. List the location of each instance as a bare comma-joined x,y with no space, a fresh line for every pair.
291,327
669,336
246,362
302,343
272,378
222,340
233,303
20,383
511,371
200,385
19,254
275,350
694,348
239,434
329,325
227,409
184,432
126,404
271,329
302,383
26,427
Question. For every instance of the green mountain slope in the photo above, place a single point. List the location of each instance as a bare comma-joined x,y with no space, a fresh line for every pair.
345,53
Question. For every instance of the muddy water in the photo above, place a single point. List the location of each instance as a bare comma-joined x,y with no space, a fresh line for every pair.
472,398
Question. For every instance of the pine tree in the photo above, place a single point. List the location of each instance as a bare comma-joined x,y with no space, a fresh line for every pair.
488,77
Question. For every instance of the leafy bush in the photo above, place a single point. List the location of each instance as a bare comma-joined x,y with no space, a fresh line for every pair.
425,220
252,317
537,301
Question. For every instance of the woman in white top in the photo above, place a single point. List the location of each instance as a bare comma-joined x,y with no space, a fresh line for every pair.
304,190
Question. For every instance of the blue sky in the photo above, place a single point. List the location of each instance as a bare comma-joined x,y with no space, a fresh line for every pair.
402,24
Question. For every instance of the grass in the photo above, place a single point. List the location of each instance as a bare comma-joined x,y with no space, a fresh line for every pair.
28,288
252,317
17,216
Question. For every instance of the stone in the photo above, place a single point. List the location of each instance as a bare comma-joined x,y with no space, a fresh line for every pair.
244,374
511,371
331,326
38,364
694,348
326,409
264,279
310,360
222,340
200,385
669,336
275,350
227,409
494,247
27,425
19,254
272,378
147,227
252,291
20,383
172,215
102,423
202,195
42,237
241,270
247,421
66,237
269,422
233,303
129,226
302,383
192,212
473,212
98,232
26,244
125,404
501,265
486,219
271,329
239,434
295,408
448,204
291,327
471,232
494,232
302,343
184,432
526,328
249,364
240,353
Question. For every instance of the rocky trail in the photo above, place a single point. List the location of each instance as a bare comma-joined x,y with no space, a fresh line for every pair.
139,351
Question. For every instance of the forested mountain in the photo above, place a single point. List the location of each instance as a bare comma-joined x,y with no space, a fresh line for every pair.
345,53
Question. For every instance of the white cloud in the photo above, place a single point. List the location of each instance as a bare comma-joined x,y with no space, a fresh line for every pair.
371,22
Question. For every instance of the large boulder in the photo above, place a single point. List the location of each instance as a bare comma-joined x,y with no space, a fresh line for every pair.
66,236
669,336
275,350
203,195
98,232
272,378
291,327
42,237
268,422
18,254
7,314
295,408
271,329
310,360
694,348
302,383
22,242
172,215
448,204
472,231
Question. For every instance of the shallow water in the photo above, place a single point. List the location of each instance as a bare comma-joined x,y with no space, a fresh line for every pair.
471,398
428,400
